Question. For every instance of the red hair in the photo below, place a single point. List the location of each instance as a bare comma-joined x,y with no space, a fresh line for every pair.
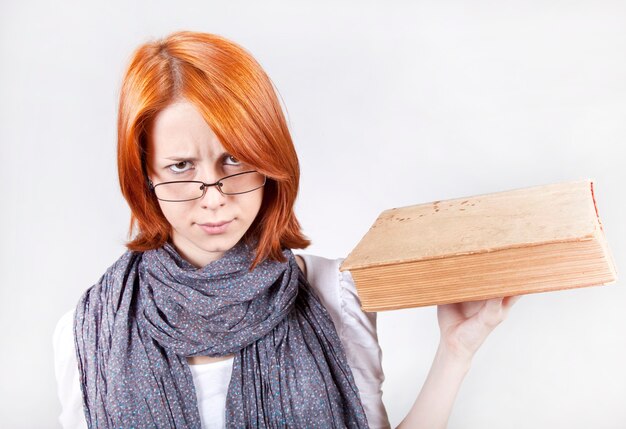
238,102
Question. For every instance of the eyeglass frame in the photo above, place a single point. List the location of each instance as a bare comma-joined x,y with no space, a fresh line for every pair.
206,186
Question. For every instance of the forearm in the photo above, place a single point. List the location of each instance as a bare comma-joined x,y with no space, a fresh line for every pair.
433,405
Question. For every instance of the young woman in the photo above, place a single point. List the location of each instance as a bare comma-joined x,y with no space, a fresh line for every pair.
208,319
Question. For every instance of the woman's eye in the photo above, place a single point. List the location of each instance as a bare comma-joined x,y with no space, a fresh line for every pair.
231,160
175,167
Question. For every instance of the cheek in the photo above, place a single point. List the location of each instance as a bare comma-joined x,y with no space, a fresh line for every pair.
255,205
174,213
249,206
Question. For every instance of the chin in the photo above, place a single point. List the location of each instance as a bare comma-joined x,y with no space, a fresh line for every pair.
214,245
194,246
217,244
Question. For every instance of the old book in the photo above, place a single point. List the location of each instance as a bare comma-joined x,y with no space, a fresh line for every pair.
536,239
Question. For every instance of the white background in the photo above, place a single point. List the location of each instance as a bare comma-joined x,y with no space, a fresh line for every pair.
390,104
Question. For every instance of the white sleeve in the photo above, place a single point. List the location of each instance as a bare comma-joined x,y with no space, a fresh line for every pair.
357,332
66,372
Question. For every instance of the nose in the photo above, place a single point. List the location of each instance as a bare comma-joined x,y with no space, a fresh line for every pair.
212,198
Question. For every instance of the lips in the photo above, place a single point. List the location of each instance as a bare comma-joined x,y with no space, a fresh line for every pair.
215,224
214,228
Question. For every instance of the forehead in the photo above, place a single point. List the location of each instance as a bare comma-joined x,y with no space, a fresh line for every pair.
180,130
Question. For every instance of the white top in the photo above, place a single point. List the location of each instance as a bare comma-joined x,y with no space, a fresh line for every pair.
336,290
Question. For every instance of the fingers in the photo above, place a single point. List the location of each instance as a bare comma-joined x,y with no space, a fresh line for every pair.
493,305
470,308
492,313
497,309
508,301
489,312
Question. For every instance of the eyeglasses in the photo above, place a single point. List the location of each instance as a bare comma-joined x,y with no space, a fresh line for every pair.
187,190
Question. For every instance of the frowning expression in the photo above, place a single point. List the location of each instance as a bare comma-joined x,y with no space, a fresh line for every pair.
182,146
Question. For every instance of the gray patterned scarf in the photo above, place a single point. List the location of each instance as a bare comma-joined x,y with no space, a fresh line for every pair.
150,310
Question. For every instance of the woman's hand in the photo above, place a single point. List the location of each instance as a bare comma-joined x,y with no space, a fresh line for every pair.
464,326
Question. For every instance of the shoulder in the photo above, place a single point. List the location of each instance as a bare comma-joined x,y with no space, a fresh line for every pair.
63,344
301,264
356,329
337,291
62,338
326,280
66,373
66,368
116,284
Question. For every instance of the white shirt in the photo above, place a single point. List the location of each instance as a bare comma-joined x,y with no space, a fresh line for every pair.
336,290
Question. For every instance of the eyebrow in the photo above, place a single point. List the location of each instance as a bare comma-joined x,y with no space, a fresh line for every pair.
190,158
181,158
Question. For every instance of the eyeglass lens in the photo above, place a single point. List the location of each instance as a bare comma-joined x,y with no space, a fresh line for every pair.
237,184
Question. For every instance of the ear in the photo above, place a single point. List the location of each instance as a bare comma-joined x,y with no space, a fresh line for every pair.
149,175
149,181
